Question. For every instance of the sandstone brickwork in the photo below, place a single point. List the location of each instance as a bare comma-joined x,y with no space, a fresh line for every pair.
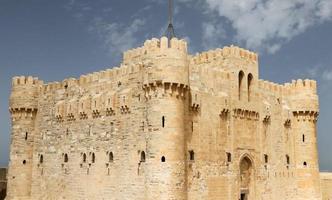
326,185
165,125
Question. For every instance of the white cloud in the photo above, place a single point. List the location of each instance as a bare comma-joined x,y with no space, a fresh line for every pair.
212,33
118,37
267,24
320,72
327,75
325,9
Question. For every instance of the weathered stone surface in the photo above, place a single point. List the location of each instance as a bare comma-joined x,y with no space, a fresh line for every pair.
165,125
326,185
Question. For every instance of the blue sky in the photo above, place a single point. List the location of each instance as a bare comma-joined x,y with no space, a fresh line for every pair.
65,38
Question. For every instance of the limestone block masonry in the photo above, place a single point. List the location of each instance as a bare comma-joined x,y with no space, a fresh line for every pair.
165,125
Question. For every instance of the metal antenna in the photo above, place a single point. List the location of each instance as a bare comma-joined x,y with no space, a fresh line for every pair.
170,33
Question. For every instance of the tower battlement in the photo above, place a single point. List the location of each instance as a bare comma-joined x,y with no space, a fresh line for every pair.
25,91
25,80
226,52
301,86
156,47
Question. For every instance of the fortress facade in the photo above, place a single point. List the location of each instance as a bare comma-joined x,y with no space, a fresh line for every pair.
165,125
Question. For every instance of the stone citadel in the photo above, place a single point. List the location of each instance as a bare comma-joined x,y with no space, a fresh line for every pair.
166,125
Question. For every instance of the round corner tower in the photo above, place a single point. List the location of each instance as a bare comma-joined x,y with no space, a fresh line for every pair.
23,108
166,90
305,108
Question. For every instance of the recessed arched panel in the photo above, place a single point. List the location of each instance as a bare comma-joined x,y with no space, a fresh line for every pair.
250,83
240,82
246,178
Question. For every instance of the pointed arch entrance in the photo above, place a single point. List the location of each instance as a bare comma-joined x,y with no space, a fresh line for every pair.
246,180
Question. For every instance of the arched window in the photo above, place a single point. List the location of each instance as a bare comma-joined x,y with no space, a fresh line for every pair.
142,156
303,138
41,159
84,158
191,155
241,75
163,159
229,157
93,158
110,157
305,164
163,121
266,158
26,136
287,159
250,80
65,159
24,162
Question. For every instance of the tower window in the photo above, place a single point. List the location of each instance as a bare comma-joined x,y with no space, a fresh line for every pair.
93,159
142,156
24,162
163,159
287,159
26,136
110,157
65,158
41,159
266,158
191,155
84,158
305,164
303,138
229,157
163,121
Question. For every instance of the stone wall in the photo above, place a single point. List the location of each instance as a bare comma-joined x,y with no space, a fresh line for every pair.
165,125
326,185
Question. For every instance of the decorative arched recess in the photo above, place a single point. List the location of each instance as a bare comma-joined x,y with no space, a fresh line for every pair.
241,75
250,84
246,177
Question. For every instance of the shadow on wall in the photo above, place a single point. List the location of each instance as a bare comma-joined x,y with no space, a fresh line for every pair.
3,183
2,194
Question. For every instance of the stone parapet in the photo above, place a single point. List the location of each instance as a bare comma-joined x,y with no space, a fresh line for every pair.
226,52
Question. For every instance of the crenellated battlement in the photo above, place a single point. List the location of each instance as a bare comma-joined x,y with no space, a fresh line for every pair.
156,46
226,52
270,86
25,80
24,94
112,75
295,87
301,86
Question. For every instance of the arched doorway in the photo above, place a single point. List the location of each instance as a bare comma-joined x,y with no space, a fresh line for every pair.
245,178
